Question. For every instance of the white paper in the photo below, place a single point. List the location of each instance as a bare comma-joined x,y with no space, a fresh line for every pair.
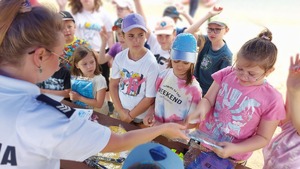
83,113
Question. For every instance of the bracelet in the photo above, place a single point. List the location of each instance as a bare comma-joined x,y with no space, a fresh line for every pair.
130,116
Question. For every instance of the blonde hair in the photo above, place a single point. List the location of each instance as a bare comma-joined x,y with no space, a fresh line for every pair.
23,29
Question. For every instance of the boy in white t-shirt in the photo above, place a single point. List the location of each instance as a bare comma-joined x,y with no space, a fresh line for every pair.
134,72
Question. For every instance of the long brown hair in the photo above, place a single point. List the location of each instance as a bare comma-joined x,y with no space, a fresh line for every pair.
76,6
80,53
21,29
189,73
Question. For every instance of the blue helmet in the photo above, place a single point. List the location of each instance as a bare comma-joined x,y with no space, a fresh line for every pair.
184,48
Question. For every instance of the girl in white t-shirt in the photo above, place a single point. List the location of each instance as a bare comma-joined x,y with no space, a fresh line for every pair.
90,17
178,92
87,83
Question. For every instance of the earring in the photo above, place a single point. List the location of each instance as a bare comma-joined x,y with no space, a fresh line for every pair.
40,69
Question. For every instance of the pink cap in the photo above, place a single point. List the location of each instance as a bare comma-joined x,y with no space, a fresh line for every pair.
165,26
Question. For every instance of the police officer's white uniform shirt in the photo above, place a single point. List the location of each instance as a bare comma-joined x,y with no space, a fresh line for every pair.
34,135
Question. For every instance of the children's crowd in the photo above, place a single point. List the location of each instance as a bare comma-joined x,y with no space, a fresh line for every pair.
165,80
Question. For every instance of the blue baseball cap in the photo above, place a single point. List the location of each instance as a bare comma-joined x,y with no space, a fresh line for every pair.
184,48
133,20
171,11
155,154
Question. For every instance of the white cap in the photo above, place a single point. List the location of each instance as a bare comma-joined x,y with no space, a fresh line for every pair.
125,4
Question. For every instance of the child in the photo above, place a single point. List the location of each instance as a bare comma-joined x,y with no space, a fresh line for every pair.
58,84
116,48
178,92
90,18
174,13
215,54
124,7
161,41
284,150
113,51
134,72
88,85
72,42
241,109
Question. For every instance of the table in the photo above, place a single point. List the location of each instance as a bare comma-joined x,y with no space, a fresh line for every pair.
109,121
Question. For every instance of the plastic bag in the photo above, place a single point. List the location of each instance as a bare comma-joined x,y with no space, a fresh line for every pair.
204,139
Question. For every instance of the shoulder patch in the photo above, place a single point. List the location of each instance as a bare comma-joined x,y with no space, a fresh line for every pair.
64,109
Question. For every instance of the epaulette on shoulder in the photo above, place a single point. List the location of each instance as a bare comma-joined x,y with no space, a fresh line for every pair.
64,109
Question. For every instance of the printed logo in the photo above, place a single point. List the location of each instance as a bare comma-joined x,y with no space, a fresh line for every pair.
206,62
160,59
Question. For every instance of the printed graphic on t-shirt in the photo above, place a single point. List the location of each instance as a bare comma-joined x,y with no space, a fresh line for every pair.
169,96
89,30
69,50
131,82
206,62
54,84
232,113
160,59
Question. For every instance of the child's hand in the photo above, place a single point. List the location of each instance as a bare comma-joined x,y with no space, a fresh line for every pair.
149,120
227,150
124,115
62,4
103,34
74,96
180,8
293,80
215,10
194,116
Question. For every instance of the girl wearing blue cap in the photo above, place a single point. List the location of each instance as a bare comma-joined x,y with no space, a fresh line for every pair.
178,92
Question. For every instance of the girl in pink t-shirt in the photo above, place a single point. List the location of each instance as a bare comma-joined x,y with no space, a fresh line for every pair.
241,110
284,150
